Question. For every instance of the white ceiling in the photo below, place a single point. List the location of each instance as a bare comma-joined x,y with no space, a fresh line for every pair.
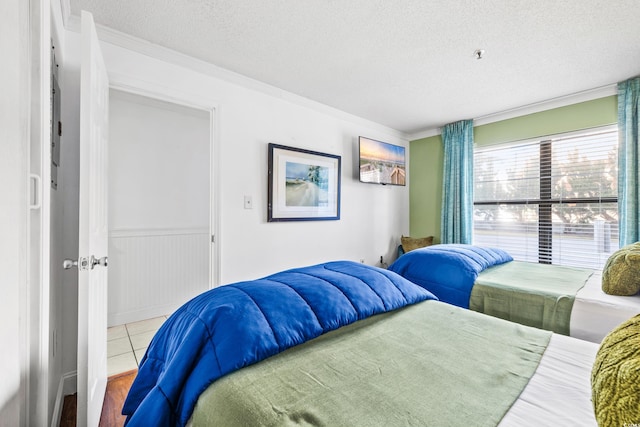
406,64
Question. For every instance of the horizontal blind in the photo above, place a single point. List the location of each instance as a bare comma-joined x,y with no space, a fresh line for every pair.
551,201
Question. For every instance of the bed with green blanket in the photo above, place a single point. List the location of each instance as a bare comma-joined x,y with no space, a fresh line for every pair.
489,281
539,295
400,363
427,364
343,344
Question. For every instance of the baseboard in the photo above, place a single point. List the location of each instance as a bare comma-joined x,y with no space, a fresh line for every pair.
68,385
57,406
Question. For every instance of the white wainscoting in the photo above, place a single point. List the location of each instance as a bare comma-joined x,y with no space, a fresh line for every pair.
153,272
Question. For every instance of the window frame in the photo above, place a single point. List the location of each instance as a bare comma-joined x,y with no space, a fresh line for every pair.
545,202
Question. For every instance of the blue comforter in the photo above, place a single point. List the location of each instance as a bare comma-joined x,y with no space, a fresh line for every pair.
236,325
449,271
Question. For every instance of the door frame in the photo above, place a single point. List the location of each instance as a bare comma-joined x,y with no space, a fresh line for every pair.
38,405
126,83
25,128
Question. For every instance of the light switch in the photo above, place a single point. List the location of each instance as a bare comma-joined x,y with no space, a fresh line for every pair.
248,203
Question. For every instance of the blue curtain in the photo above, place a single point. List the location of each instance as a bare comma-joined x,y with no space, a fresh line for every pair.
629,160
457,188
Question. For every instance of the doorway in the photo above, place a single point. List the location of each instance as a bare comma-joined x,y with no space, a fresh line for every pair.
160,206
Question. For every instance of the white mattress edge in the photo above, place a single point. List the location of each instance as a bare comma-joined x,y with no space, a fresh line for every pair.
559,392
595,314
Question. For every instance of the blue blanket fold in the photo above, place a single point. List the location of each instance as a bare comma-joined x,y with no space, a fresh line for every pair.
236,325
449,271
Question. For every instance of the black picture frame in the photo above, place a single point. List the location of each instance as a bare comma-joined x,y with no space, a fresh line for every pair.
303,185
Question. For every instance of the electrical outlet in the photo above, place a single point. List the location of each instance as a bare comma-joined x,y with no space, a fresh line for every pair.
382,263
248,202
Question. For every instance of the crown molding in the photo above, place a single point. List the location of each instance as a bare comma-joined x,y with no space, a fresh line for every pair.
563,101
135,44
425,134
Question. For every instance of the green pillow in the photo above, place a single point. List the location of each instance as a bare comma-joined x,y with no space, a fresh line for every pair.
615,378
621,273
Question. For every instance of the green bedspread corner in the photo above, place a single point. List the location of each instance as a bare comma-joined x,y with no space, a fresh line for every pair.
539,295
427,364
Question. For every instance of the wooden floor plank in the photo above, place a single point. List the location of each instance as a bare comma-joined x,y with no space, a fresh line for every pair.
117,389
68,417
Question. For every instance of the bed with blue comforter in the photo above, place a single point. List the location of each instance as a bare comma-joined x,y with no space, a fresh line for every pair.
489,281
339,343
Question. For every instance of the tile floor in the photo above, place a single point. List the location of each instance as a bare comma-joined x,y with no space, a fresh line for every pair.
127,344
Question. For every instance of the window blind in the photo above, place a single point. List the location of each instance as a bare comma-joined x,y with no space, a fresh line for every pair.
551,201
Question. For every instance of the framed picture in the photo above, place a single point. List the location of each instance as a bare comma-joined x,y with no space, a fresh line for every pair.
304,185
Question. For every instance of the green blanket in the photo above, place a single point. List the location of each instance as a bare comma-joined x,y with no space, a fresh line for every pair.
427,364
539,295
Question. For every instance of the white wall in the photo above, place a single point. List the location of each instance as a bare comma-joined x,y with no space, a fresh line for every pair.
372,217
159,153
158,206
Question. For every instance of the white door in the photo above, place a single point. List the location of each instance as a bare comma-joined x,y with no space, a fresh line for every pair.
93,231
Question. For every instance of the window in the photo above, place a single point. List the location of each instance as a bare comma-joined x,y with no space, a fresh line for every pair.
553,201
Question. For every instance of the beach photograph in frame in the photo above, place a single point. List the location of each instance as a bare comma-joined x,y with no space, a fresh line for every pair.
303,185
381,162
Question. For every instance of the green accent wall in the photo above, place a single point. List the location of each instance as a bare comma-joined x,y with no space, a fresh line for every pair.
426,155
425,187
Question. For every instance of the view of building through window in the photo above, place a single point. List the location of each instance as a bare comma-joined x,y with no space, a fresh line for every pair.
552,201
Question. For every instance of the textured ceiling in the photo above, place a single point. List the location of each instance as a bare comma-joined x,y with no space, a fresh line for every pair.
407,64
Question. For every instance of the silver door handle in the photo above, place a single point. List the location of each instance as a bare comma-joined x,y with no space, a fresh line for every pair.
104,261
69,263
84,263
